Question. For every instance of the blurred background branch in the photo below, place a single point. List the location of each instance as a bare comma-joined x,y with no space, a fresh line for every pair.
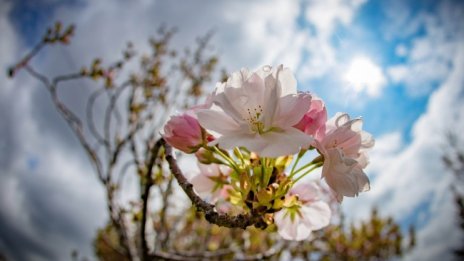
453,159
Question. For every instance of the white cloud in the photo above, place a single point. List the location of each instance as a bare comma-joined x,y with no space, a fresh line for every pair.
419,77
267,31
51,203
430,55
410,182
363,75
325,15
401,50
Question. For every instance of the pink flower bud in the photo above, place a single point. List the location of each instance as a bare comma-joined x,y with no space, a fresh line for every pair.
184,133
313,122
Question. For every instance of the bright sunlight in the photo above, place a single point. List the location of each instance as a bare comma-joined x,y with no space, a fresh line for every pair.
363,74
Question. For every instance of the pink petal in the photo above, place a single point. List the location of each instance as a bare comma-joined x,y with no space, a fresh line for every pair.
338,174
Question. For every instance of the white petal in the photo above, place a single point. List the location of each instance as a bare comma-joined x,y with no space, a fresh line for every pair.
337,120
287,81
316,215
285,142
237,78
362,160
303,232
253,89
209,170
264,71
291,229
230,101
356,125
217,121
361,179
253,142
271,98
219,88
341,118
367,140
308,191
202,185
291,109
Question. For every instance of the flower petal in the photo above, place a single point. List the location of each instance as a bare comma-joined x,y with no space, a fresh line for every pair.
291,109
291,229
227,101
316,215
203,185
338,173
285,142
287,81
209,170
306,191
361,179
252,142
270,100
237,78
367,141
217,121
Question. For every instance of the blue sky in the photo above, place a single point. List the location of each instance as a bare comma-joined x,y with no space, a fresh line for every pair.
398,64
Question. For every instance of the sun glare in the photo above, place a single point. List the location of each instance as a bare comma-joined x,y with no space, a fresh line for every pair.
364,75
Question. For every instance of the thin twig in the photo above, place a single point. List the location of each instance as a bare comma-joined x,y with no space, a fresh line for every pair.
165,197
90,121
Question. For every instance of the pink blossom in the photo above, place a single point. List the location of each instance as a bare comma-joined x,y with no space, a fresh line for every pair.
344,149
313,122
303,212
184,132
211,181
258,110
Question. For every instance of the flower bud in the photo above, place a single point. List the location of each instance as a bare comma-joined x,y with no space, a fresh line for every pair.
183,132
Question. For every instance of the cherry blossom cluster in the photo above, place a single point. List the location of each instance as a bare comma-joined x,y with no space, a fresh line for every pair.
250,138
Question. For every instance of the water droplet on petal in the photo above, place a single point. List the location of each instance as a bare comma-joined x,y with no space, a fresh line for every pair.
267,68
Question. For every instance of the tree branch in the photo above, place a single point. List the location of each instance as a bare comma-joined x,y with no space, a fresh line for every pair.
145,196
224,220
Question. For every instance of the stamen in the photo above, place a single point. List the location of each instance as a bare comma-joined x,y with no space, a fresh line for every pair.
254,119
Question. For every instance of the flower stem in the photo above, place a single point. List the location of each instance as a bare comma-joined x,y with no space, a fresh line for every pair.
300,169
317,165
300,155
239,155
317,160
231,164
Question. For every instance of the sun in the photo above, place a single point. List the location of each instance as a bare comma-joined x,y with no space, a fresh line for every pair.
364,75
